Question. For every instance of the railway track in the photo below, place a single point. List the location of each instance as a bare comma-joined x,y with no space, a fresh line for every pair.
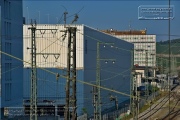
175,111
158,106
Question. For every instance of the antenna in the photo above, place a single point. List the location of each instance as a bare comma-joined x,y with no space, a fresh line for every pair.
130,25
75,18
57,19
39,16
48,17
65,13
27,15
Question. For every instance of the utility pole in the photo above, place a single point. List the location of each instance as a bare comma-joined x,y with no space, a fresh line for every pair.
132,83
135,100
39,16
169,37
71,74
161,65
97,110
146,75
33,99
136,97
98,83
65,13
95,92
154,73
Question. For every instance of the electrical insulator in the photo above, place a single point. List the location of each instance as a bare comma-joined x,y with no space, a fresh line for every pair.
57,76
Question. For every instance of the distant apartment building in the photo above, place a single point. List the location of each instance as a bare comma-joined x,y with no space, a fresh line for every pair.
142,43
51,92
11,40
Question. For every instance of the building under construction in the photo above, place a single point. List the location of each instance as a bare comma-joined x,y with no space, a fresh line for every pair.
101,60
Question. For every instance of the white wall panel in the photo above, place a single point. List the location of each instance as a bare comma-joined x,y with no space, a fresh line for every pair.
52,42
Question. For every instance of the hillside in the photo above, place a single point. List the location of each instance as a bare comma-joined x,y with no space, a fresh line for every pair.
163,47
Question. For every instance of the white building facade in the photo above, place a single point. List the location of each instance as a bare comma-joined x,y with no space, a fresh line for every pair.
11,41
142,44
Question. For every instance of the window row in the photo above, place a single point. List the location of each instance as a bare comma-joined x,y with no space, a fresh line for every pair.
8,69
7,30
143,62
7,9
139,38
8,50
8,87
145,45
144,58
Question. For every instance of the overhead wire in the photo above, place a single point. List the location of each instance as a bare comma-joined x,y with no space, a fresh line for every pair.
50,44
80,81
11,69
93,84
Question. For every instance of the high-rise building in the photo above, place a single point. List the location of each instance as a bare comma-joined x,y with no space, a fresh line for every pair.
11,39
115,68
143,44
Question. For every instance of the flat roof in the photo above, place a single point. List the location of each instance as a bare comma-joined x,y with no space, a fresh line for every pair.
128,32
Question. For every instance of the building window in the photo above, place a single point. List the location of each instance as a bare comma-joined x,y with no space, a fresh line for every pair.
8,68
7,28
7,9
85,49
8,50
7,91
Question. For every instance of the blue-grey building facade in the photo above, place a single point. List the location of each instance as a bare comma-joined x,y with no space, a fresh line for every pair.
11,43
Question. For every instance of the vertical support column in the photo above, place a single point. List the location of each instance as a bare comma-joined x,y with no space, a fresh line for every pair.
136,97
33,100
74,113
154,73
132,83
71,76
94,100
146,75
66,114
98,102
